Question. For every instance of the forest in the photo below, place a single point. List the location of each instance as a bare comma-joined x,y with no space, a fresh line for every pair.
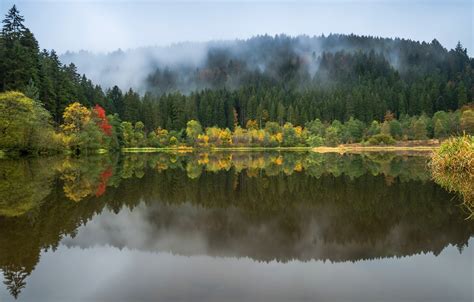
265,91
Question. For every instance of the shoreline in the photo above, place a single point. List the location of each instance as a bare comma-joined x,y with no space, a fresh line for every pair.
361,149
339,149
427,146
213,149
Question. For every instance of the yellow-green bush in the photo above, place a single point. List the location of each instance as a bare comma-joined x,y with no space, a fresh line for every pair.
452,166
381,139
24,124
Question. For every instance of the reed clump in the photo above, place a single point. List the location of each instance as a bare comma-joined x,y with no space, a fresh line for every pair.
452,166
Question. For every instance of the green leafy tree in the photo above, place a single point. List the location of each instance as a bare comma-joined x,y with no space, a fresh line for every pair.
128,134
373,129
419,129
467,121
315,127
315,141
139,134
272,128
354,130
440,122
396,130
193,130
333,136
289,135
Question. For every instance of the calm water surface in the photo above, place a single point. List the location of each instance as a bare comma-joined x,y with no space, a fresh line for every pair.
231,227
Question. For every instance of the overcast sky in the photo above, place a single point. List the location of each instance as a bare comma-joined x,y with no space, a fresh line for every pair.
107,25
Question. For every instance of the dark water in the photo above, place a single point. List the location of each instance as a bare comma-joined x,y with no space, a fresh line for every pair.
231,227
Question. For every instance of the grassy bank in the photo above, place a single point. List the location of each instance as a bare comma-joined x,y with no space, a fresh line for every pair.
452,166
426,146
358,149
153,150
212,149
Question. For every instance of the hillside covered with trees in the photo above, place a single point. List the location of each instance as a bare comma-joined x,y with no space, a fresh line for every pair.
264,91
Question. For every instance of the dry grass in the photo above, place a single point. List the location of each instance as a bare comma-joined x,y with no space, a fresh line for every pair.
452,167
185,149
178,149
361,149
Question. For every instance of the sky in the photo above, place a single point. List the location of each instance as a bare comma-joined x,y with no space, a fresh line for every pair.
104,26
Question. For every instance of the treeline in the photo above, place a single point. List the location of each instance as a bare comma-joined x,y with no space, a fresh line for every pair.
297,97
27,127
314,133
296,80
39,74
359,85
363,85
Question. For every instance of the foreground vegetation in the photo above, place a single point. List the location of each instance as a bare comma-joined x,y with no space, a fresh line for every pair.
453,168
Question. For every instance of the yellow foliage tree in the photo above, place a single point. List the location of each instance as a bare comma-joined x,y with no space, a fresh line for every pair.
76,117
225,136
251,124
203,140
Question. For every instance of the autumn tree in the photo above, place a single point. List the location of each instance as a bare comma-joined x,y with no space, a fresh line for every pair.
24,124
76,117
102,120
81,132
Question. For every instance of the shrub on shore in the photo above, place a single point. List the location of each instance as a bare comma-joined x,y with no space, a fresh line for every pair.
381,139
452,167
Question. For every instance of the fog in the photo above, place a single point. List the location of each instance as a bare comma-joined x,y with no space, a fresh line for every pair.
189,66
129,69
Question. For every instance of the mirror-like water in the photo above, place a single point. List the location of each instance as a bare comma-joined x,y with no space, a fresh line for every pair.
231,226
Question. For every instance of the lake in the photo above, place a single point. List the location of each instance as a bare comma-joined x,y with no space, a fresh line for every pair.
242,226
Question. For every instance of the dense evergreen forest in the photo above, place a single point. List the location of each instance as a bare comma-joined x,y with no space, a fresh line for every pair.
288,79
271,83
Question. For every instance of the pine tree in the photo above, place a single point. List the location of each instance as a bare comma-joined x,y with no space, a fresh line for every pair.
19,51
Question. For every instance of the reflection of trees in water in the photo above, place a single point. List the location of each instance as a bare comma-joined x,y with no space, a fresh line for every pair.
239,194
24,184
85,177
273,163
15,280
363,211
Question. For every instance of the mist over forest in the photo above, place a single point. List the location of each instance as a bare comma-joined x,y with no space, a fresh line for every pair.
280,78
292,61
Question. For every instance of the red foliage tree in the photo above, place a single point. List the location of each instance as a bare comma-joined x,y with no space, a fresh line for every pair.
103,121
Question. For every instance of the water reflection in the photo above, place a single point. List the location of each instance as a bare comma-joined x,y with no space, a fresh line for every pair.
266,206
109,274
